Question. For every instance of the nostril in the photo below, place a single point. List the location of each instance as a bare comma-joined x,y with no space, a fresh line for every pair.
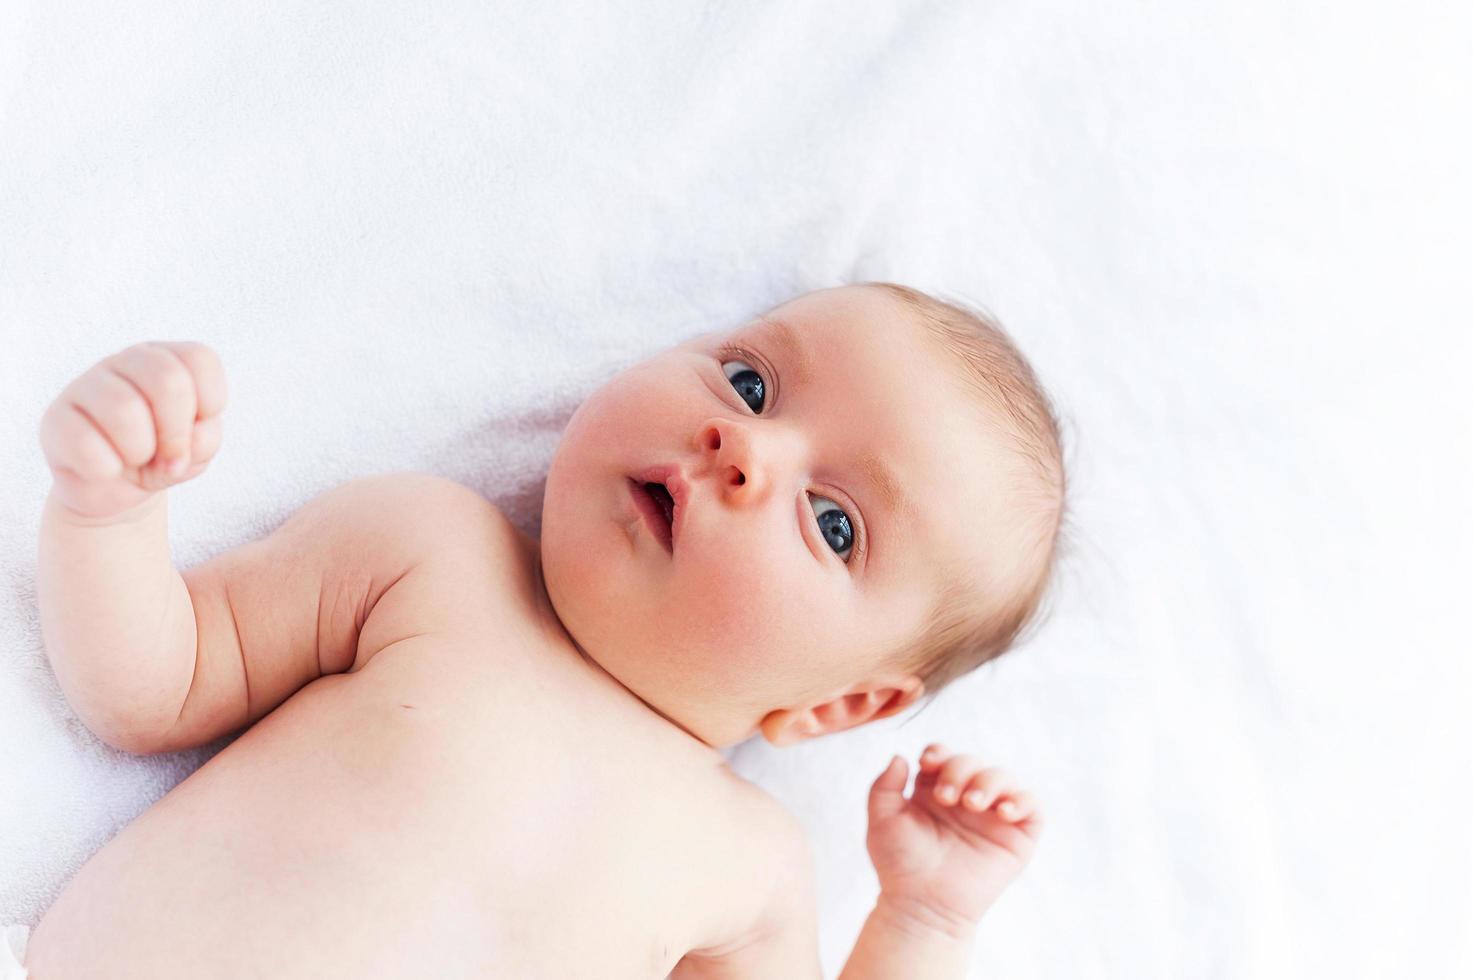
741,478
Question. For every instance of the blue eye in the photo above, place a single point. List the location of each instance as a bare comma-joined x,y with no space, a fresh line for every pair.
834,524
748,383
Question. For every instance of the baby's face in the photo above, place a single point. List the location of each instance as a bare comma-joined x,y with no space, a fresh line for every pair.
828,459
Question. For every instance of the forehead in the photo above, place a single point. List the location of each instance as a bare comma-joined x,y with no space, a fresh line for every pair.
887,420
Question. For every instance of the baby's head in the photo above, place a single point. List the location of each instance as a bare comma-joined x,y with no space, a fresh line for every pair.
873,490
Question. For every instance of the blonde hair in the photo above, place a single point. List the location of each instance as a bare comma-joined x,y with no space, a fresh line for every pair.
962,633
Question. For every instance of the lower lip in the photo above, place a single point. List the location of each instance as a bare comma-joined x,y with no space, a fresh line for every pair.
654,516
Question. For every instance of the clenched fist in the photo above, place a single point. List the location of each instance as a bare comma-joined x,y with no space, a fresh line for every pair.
135,423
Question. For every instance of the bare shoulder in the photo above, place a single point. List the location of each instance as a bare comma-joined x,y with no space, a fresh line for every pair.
439,515
358,567
769,900
782,858
786,860
424,496
437,522
463,557
774,829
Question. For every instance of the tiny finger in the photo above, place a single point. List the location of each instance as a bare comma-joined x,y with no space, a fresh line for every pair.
208,372
987,785
164,382
205,443
954,777
933,757
72,439
118,413
887,792
1018,807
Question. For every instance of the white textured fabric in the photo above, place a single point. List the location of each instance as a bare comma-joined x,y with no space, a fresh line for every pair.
1231,237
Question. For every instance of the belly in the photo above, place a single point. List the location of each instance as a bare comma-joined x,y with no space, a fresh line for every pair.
423,817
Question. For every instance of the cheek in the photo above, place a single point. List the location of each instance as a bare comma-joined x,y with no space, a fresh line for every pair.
607,436
600,427
748,613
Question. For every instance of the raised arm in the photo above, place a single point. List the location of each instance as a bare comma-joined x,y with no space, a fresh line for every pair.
116,617
155,660
942,856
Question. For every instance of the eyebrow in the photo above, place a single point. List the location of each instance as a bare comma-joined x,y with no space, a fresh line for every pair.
782,335
882,478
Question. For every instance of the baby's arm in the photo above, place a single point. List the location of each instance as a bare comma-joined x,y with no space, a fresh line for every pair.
942,857
942,860
116,617
153,660
893,944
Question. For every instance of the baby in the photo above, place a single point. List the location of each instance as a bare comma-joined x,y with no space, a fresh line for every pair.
472,753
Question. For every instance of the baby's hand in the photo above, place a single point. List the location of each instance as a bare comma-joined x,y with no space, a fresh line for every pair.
135,423
946,853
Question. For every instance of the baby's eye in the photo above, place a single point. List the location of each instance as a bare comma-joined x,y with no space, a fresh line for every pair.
834,525
747,382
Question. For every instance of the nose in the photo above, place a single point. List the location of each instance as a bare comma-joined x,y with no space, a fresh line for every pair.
744,466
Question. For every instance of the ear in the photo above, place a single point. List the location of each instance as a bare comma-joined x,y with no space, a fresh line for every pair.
864,702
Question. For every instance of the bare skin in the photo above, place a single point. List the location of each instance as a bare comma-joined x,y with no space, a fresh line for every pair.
510,767
402,784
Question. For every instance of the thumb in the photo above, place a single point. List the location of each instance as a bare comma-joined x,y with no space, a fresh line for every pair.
887,794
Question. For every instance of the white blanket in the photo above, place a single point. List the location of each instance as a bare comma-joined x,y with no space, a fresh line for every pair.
1227,235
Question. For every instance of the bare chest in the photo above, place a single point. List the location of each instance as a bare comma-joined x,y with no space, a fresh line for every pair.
462,806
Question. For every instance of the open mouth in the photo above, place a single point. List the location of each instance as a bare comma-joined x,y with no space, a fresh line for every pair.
658,508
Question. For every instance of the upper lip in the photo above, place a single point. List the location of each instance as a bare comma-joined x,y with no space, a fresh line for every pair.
670,476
